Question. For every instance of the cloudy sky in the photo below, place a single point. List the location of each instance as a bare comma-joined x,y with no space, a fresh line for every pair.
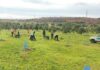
49,8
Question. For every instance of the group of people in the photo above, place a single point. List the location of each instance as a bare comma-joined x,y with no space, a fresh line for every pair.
53,36
16,34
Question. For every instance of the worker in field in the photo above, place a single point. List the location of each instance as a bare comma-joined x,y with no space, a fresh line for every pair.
52,35
17,35
32,36
44,33
56,38
12,32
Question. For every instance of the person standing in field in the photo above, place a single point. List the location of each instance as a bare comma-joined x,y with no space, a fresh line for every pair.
34,35
52,35
12,32
18,34
44,33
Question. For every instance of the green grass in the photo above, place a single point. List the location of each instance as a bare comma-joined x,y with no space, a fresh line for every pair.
72,52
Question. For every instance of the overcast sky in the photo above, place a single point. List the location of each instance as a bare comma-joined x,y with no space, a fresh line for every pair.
49,8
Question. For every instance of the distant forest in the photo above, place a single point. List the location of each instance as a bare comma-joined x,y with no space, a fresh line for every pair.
64,24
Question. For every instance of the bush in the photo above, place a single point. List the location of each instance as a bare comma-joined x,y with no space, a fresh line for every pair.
82,30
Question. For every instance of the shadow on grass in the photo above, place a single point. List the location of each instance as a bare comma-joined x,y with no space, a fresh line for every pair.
2,40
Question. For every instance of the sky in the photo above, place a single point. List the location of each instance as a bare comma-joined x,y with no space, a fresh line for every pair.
27,9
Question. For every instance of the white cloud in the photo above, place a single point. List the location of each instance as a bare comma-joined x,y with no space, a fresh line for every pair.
70,2
28,5
17,4
40,5
53,7
14,16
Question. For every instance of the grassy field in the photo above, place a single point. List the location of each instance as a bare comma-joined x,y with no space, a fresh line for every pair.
72,52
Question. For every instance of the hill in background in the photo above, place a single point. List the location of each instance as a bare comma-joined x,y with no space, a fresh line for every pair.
56,19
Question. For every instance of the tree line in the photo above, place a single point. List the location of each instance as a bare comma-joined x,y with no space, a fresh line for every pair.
53,26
